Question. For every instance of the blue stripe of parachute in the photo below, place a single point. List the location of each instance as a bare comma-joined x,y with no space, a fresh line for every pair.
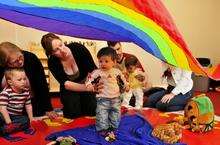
91,19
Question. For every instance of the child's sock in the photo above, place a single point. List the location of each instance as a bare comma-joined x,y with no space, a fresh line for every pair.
30,131
13,138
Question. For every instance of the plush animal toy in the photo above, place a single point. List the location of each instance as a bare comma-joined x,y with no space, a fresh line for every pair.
199,114
68,140
169,133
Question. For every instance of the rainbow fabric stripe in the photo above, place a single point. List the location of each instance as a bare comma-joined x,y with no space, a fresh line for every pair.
146,23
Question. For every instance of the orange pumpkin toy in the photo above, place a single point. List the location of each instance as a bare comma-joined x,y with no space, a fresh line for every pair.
199,114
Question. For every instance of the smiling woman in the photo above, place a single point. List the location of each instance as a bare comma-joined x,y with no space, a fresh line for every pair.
70,65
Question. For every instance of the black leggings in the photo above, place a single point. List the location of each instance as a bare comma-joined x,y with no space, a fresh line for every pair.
77,104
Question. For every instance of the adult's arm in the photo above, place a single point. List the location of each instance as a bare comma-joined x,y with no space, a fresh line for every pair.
4,112
84,62
57,70
185,83
3,106
35,72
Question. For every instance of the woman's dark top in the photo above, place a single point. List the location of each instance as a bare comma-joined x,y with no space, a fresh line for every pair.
75,104
83,60
39,87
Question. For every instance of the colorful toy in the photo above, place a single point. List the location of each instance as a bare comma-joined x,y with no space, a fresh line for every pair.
199,114
168,133
68,140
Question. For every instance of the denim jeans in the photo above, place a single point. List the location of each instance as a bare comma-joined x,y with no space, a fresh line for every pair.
22,120
108,113
175,104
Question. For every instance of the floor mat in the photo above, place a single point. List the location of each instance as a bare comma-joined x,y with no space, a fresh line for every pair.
133,130
153,116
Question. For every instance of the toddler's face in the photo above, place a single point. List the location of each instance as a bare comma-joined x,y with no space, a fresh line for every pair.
106,62
18,81
131,68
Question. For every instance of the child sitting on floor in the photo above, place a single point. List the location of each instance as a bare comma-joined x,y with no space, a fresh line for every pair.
13,99
137,81
108,100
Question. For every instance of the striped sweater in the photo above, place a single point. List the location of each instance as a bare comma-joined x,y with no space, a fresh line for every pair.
15,102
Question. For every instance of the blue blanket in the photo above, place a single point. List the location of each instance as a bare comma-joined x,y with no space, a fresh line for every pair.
133,130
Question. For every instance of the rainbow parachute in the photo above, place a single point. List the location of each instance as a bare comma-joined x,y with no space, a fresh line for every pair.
146,23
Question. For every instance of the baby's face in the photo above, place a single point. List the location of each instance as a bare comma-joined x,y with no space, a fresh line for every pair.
18,81
131,68
106,62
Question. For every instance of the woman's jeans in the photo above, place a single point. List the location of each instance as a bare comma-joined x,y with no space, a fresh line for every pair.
108,113
177,103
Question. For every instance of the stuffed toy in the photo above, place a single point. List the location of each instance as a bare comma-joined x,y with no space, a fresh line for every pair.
68,140
199,114
169,133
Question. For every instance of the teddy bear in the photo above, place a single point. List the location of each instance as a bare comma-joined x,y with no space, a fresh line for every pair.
67,140
169,133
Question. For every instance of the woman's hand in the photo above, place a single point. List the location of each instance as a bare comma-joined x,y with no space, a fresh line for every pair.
166,98
52,114
90,88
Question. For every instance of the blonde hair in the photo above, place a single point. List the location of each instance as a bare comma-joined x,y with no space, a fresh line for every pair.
10,71
6,46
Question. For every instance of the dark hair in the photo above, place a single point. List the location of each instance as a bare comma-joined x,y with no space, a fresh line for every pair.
112,43
131,61
8,71
46,42
107,51
3,56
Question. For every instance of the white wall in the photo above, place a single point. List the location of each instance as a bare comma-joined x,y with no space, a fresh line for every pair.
197,20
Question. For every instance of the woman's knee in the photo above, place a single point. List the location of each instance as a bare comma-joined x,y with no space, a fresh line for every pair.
154,98
161,106
175,108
